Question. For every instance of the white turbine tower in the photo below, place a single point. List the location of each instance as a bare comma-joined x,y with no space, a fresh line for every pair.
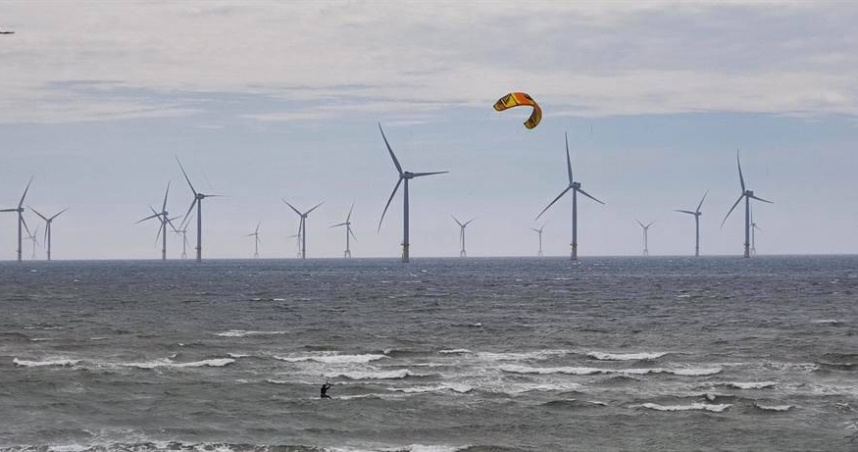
696,214
198,202
302,226
256,241
539,231
748,195
462,227
645,236
576,188
348,225
21,222
164,219
48,222
403,176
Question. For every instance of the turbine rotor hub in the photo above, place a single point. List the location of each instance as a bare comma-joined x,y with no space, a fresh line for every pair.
576,185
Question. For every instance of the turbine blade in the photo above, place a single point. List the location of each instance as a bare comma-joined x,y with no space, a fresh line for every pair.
731,210
388,201
639,222
349,216
588,195
701,200
534,230
257,227
555,200
760,199
456,220
757,227
21,203
9,210
741,179
389,149
26,228
352,233
149,218
470,221
40,215
170,222
59,213
650,224
193,203
314,208
158,236
339,225
186,176
686,211
428,174
164,206
568,160
293,207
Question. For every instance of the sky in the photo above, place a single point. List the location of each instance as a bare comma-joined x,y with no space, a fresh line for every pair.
264,101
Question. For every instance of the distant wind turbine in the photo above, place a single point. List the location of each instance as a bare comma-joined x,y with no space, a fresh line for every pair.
645,236
539,231
164,218
575,187
462,227
48,222
302,227
35,239
696,214
256,241
406,176
348,224
184,233
754,229
198,202
747,195
21,222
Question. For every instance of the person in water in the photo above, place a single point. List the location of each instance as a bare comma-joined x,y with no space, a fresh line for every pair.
324,393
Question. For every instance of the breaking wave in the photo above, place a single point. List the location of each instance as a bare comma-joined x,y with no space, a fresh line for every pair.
243,333
625,356
692,407
775,408
460,388
332,359
689,372
59,362
749,385
378,375
218,362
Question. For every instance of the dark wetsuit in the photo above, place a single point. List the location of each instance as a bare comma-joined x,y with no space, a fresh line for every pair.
324,393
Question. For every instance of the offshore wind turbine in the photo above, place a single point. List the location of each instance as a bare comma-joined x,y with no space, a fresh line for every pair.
575,187
348,224
302,226
539,231
198,202
403,176
748,195
48,222
21,222
645,235
256,241
754,228
696,214
35,239
184,233
164,218
462,227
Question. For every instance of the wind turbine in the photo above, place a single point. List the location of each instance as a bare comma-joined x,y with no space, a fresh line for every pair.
645,234
406,176
539,231
575,187
165,219
198,202
302,227
696,214
48,222
184,233
748,195
21,222
256,241
462,227
754,229
35,239
348,225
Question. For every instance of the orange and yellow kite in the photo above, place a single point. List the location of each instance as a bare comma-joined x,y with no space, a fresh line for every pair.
517,100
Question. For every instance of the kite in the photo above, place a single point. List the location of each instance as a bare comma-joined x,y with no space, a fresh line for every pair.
517,100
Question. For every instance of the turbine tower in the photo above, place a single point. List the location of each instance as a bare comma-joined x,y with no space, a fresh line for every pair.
748,195
198,202
462,227
645,235
576,188
754,229
348,224
48,222
406,176
696,214
256,241
21,222
302,226
539,231
164,219
184,233
35,239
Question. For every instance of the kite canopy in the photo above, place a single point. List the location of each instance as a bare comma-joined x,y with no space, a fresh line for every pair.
518,100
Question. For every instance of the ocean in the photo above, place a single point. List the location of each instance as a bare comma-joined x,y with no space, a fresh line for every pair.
513,354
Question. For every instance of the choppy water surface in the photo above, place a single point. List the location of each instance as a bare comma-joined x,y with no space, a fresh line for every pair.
438,355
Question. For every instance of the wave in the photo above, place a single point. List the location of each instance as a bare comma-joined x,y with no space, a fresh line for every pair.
749,385
238,355
378,375
157,446
217,362
455,351
573,403
687,372
460,388
519,356
332,359
692,407
775,408
244,333
626,356
61,362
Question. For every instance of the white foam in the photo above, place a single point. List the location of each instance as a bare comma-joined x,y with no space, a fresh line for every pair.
460,388
238,355
243,333
827,321
378,375
277,382
218,362
693,406
625,356
455,351
687,372
751,385
62,362
332,359
780,408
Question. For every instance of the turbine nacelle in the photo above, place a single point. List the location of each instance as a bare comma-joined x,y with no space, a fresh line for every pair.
575,185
